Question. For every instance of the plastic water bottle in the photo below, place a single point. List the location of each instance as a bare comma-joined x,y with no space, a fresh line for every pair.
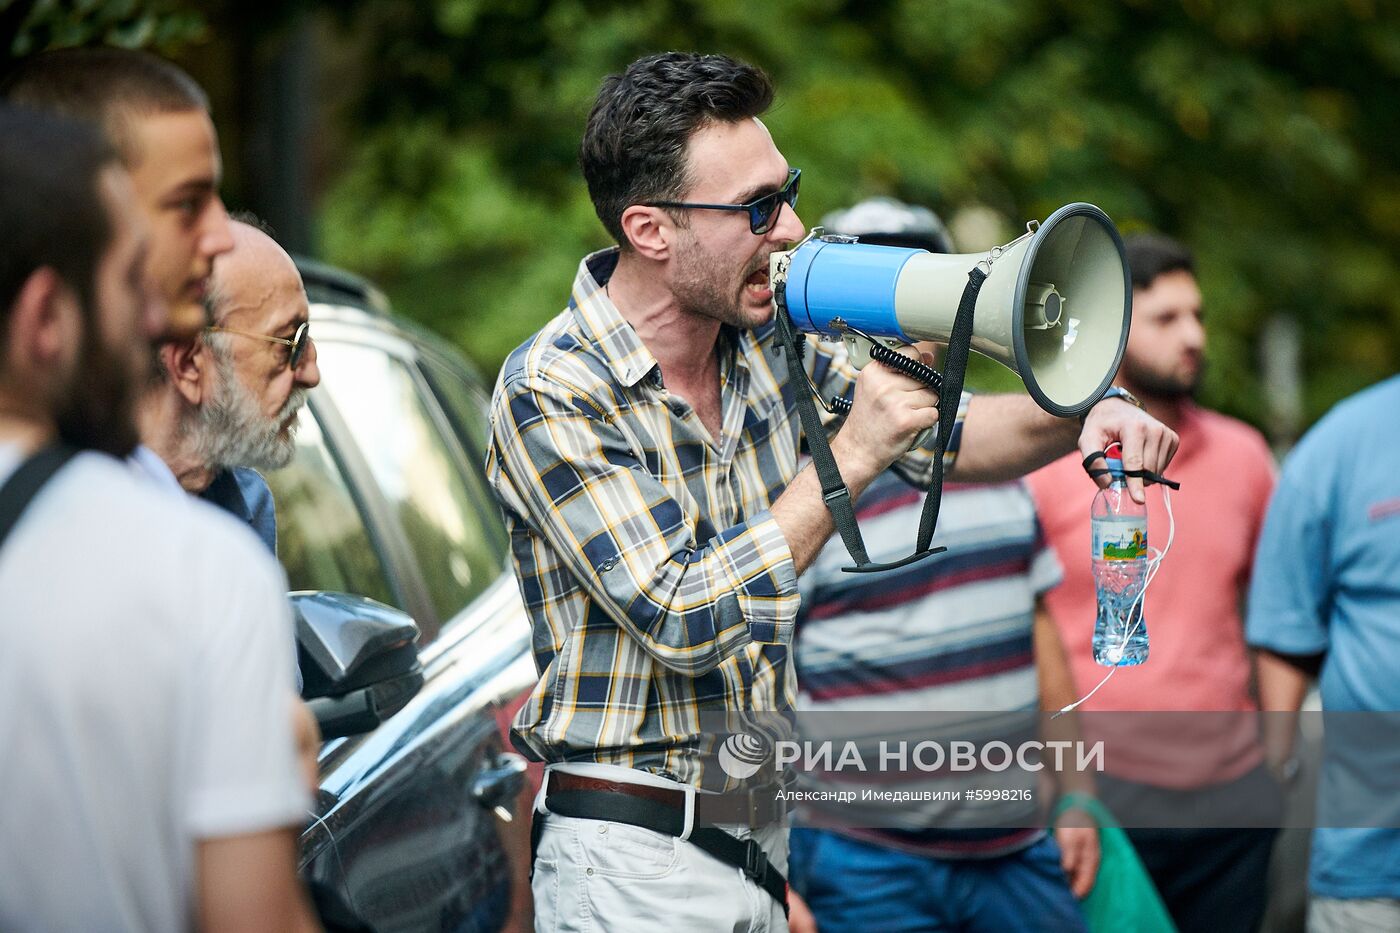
1119,537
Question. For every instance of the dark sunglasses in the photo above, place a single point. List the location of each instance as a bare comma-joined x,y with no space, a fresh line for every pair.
763,211
298,342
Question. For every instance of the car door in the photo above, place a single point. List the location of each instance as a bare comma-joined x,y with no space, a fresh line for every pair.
400,829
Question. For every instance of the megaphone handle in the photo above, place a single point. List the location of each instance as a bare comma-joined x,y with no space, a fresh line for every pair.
914,369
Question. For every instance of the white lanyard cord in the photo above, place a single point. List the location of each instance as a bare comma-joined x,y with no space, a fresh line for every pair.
1152,568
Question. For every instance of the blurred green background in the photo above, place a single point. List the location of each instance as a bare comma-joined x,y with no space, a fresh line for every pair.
429,144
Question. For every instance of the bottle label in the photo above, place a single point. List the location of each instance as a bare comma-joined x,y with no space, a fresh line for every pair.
1120,539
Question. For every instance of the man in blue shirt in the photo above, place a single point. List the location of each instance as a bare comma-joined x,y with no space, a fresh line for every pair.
1326,596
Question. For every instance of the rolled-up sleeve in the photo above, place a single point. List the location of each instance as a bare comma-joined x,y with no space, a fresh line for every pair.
563,462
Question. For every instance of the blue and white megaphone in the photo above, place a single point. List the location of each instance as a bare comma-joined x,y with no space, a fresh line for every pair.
1054,309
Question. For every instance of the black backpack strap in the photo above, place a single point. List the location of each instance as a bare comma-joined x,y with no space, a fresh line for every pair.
21,488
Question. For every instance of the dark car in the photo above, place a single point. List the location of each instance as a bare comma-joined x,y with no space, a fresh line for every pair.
421,822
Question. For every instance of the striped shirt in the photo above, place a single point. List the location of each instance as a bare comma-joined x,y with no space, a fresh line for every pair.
659,585
951,635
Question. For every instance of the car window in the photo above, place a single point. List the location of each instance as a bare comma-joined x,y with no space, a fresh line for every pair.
455,541
469,411
465,405
321,538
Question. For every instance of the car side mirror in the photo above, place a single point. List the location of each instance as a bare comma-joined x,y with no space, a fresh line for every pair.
358,657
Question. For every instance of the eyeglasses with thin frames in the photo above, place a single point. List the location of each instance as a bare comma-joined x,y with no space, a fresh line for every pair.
298,341
763,211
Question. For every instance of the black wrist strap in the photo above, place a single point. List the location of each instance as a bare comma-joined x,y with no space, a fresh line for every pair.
1147,476
21,488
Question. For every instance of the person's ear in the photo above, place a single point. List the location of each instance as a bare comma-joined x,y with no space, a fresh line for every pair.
650,230
186,363
45,322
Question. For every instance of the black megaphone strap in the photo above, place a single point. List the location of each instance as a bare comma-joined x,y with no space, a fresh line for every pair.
954,372
834,490
835,493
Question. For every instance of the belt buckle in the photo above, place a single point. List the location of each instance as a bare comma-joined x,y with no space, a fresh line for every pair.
755,862
750,809
761,809
689,819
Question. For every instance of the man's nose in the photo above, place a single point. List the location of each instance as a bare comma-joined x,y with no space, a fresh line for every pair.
1195,335
307,373
789,228
217,236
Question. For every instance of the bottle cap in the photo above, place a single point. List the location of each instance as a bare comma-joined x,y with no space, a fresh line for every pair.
1114,455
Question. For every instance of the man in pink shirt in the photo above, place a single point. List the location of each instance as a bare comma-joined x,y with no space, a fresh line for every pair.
1210,878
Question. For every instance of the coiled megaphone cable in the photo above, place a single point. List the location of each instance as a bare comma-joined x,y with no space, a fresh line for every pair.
914,369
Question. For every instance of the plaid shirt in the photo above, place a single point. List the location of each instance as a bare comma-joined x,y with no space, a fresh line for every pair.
658,583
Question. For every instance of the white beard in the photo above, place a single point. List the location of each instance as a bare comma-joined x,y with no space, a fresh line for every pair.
230,429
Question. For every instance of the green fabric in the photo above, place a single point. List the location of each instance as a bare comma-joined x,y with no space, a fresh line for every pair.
1123,899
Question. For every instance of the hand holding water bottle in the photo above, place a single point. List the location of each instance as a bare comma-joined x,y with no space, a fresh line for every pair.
1144,442
1123,569
1120,562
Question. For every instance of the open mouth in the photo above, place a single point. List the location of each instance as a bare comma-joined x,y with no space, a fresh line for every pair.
757,284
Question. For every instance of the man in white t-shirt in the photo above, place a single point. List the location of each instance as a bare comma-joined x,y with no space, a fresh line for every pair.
148,779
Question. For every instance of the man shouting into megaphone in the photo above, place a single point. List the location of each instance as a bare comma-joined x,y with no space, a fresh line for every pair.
645,452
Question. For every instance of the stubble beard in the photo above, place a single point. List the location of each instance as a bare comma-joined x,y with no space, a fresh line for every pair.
701,288
1167,387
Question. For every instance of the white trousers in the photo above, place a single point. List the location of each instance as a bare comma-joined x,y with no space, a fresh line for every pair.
1353,915
598,876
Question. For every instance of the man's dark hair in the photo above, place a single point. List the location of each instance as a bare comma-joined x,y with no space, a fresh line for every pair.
1151,255
106,86
51,207
634,147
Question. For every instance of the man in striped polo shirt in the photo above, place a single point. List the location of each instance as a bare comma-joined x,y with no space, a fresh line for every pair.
964,631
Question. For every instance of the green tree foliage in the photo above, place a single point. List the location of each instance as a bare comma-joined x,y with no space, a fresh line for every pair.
1259,131
29,26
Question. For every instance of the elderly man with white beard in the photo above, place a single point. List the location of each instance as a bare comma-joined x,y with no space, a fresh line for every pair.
227,405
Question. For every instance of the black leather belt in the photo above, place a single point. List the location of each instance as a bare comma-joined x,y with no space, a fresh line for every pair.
662,810
756,806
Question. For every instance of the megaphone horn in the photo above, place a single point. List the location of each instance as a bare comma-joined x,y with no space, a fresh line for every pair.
1055,307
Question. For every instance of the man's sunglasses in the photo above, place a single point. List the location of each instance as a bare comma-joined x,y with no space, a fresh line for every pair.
298,342
763,211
